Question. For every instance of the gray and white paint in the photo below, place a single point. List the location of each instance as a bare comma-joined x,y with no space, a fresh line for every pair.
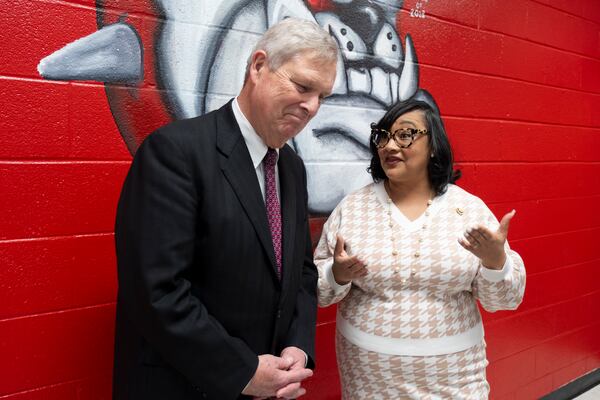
201,49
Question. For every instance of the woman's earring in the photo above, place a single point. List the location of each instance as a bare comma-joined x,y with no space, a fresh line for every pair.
431,155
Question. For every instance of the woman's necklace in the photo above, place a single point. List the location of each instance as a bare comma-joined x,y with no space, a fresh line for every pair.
396,256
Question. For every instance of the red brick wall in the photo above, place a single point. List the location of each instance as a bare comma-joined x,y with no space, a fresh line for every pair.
518,84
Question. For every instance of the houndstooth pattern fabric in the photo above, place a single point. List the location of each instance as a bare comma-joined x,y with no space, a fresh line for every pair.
272,204
429,288
375,376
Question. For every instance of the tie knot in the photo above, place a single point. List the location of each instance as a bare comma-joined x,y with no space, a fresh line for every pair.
271,158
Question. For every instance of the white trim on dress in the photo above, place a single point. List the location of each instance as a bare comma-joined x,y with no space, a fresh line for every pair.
410,347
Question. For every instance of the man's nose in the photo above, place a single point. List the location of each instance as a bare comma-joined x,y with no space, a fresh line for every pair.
312,104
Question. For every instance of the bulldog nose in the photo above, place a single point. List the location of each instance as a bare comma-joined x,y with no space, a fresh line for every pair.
363,16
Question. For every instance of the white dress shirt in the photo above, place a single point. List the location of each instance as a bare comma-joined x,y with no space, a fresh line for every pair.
258,150
256,147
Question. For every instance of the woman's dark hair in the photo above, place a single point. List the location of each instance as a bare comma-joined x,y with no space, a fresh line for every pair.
440,169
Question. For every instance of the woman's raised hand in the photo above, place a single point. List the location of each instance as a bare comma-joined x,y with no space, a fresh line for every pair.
346,268
488,245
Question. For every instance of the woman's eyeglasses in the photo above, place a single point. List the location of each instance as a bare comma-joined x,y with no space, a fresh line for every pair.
403,137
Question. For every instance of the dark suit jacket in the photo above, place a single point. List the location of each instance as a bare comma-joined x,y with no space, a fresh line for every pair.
199,296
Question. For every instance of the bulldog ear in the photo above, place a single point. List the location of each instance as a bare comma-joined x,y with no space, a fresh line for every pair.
112,55
278,10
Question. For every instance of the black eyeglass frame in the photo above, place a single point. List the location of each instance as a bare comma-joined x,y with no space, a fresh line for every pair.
413,132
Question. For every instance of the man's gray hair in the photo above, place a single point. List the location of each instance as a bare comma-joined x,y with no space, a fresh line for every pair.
291,37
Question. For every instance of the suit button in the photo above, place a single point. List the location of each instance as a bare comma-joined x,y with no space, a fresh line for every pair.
278,314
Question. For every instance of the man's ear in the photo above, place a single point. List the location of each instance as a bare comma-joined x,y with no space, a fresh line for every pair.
257,62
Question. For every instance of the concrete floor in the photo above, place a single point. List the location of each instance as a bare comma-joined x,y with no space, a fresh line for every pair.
592,394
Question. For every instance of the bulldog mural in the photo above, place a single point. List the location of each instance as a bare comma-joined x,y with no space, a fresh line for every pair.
190,58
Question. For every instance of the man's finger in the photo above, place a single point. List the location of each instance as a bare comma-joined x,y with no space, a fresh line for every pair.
289,359
297,375
282,363
300,392
290,391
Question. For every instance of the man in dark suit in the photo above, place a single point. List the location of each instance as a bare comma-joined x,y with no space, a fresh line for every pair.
216,280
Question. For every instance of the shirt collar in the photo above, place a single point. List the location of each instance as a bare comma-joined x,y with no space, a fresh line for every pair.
256,147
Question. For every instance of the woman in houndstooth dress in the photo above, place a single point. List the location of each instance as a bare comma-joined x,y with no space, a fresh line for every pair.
406,258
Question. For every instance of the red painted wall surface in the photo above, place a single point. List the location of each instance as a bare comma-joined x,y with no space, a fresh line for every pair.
518,84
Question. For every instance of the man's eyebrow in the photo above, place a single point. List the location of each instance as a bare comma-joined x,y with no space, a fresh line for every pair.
309,80
310,83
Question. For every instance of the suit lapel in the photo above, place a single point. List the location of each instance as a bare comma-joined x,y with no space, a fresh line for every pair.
238,169
288,211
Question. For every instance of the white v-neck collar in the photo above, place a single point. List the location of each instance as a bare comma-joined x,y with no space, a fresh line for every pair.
397,215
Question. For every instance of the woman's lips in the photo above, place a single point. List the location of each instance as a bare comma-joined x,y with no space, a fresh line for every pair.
393,160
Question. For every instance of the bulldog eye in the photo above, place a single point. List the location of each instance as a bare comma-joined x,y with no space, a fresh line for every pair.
387,46
350,43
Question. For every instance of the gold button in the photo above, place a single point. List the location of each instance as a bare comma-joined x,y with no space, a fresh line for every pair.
413,271
396,270
424,227
394,253
420,240
427,213
417,255
403,280
459,211
391,225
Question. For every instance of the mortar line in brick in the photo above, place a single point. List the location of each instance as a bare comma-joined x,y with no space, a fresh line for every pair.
58,237
54,312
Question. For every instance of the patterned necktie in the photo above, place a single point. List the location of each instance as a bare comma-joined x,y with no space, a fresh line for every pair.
272,203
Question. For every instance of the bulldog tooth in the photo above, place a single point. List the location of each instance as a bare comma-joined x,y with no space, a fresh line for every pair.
409,80
359,81
394,79
340,86
380,87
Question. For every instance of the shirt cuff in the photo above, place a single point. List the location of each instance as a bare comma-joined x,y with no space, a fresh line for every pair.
497,275
305,357
328,268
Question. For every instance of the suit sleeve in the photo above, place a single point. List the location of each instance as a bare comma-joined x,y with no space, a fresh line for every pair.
155,233
302,329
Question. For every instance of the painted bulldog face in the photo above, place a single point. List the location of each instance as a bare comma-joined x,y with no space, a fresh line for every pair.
197,55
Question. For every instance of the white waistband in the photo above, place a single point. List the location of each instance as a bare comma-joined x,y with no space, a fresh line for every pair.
410,347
